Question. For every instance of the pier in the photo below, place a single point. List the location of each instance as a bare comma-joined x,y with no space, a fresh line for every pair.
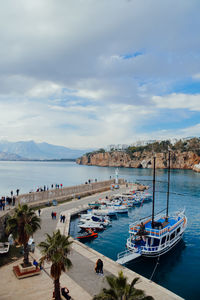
81,280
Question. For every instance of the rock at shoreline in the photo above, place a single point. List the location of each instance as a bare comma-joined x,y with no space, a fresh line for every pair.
196,168
179,160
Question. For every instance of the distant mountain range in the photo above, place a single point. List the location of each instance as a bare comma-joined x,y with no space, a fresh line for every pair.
30,150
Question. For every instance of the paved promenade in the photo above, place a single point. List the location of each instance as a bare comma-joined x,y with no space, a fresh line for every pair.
81,279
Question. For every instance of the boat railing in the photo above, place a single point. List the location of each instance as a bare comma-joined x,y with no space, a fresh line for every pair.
127,253
155,232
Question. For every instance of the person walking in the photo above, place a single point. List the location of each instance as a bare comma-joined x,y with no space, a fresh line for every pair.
52,215
39,211
63,218
100,266
3,202
13,201
17,191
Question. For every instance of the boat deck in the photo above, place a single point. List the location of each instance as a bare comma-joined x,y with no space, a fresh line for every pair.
163,223
161,226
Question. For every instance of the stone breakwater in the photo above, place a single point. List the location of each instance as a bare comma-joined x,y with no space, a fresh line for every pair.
37,199
66,193
179,160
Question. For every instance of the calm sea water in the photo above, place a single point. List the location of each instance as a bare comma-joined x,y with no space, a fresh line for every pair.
179,270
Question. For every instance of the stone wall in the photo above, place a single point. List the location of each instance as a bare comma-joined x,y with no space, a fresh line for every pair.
66,193
41,198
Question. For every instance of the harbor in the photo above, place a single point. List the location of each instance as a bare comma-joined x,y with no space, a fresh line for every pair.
81,279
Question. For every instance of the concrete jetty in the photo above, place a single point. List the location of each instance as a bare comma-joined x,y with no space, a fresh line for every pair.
81,279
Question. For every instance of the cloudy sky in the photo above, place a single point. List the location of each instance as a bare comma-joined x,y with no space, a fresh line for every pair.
89,73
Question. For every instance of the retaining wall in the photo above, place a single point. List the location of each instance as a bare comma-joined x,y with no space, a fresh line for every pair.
67,192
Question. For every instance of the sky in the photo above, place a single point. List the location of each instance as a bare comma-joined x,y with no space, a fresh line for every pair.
89,73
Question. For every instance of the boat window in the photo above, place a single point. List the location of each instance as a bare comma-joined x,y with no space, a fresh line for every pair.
156,242
163,240
172,236
149,241
178,230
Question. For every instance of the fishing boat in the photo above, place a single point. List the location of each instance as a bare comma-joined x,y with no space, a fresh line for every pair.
155,236
89,235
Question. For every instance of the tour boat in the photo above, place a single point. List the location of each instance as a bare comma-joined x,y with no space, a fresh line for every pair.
155,236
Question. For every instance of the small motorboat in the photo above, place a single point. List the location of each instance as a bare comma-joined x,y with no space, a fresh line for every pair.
93,218
92,225
4,247
89,235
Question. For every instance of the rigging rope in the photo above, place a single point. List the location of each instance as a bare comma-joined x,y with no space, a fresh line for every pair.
157,263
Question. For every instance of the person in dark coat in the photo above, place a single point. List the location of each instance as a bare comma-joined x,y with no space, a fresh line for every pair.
65,293
99,266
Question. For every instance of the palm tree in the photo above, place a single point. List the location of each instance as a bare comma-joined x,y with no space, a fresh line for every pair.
121,290
23,224
55,249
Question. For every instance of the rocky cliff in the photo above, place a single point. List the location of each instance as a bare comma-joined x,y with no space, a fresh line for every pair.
179,160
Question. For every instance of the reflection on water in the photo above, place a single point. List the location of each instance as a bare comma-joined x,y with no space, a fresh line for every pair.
145,266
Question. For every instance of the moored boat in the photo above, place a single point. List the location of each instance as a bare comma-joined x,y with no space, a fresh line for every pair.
155,236
92,225
4,247
89,235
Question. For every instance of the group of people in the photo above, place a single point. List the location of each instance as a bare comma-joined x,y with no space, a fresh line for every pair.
46,188
62,218
7,201
90,181
53,215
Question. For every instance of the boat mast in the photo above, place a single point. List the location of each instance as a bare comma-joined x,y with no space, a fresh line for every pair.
154,182
167,210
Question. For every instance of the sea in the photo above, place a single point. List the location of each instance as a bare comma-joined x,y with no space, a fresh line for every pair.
178,270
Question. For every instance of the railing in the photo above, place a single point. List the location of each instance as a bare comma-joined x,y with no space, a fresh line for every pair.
127,253
135,227
146,248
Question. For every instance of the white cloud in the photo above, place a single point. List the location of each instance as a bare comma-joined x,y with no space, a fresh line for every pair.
64,79
178,101
196,76
45,90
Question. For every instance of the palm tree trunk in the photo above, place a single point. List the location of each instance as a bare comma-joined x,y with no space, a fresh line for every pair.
26,255
57,289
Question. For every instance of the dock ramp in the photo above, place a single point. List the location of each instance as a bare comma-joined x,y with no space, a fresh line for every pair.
127,256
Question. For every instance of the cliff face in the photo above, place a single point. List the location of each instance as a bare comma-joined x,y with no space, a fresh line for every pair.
179,160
